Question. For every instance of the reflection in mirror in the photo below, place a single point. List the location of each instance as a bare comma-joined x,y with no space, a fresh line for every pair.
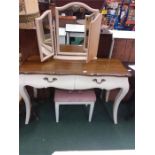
44,35
71,28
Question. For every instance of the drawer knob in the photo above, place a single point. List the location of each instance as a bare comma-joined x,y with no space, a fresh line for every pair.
99,82
50,81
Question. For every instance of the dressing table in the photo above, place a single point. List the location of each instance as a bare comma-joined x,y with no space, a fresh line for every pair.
73,75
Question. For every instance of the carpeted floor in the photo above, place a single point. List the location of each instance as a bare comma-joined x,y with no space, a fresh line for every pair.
74,132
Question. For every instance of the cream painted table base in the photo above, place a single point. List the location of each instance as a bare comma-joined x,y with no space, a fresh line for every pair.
72,82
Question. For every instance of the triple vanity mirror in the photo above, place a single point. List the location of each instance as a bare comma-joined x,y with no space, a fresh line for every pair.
70,32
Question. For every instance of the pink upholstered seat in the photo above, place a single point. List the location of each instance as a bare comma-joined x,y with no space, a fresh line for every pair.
74,96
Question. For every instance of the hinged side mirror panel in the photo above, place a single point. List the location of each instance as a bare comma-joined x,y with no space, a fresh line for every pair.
45,38
94,36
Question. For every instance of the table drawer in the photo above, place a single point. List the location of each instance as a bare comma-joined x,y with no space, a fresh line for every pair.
102,82
44,81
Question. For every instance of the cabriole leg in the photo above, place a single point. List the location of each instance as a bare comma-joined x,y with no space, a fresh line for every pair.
26,98
118,99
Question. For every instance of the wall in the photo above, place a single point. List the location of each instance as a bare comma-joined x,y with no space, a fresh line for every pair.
124,49
97,4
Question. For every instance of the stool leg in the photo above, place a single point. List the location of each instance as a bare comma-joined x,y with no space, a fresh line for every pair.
91,111
57,112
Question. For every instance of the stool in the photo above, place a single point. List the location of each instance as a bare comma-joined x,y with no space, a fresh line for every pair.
75,97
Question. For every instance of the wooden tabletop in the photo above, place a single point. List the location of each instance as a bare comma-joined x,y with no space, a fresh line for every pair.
106,67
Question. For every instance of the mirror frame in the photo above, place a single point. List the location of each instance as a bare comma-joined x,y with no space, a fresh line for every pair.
92,28
63,8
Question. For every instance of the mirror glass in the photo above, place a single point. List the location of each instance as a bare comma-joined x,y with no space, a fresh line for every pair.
46,29
44,35
71,24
